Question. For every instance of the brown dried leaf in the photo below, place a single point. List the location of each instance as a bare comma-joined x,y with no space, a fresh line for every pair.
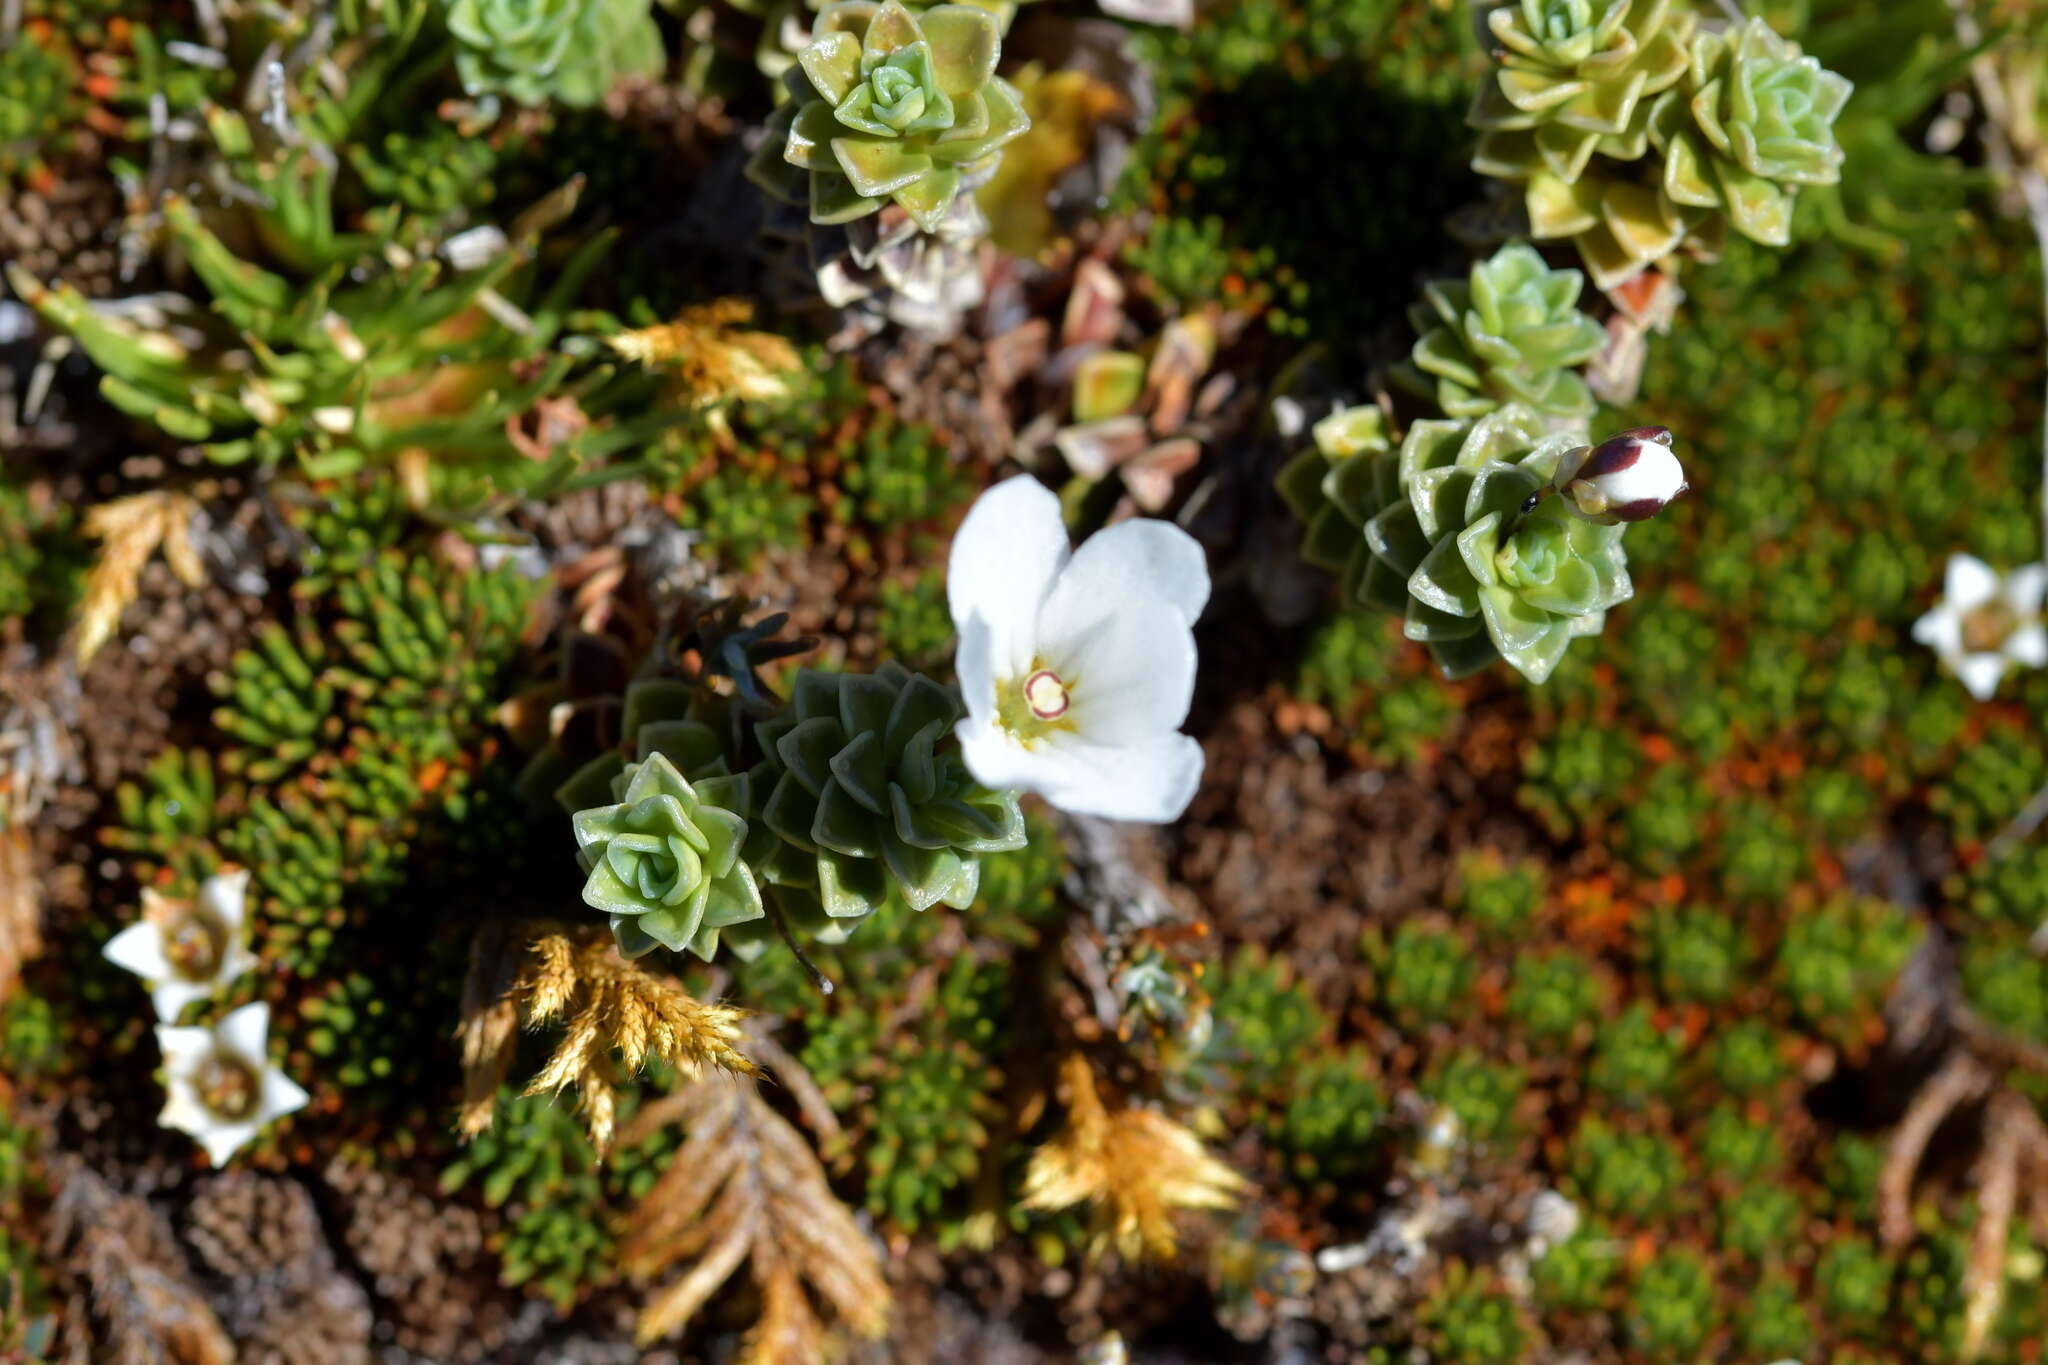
21,907
747,1186
145,1308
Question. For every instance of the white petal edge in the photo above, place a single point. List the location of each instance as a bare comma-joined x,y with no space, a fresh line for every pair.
2028,646
223,1140
182,1049
1005,558
1135,567
974,671
1980,673
1941,630
281,1095
1969,583
139,949
2025,587
170,996
1149,783
246,1032
226,894
1133,678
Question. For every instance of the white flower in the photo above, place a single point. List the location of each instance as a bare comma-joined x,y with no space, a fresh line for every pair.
1984,624
187,950
1077,669
219,1084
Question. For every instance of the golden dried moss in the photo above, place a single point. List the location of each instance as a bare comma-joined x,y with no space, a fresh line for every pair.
615,1015
1136,1167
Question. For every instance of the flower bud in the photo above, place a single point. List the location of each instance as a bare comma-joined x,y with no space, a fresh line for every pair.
1628,477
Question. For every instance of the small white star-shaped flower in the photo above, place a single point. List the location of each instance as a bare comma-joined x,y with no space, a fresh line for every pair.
1077,668
188,950
219,1085
1985,624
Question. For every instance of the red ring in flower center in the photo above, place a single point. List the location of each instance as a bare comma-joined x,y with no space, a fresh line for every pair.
1046,695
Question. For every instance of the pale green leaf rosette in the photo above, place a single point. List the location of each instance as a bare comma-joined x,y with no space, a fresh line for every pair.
1576,77
1754,121
890,106
1349,475
1495,568
1509,333
570,51
664,861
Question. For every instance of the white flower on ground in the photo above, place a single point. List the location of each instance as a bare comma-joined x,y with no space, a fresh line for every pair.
188,950
1985,623
1077,668
219,1084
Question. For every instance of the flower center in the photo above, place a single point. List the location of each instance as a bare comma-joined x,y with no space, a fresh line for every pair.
1985,630
195,943
228,1086
1046,695
1033,706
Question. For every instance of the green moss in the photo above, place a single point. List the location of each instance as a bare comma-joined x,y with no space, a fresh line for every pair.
1671,1308
1697,953
1854,1282
1483,1094
1553,993
1497,895
1474,1321
913,623
1739,1147
1425,974
1775,1323
1576,1275
1634,1059
1838,959
1330,1125
1762,1222
1746,1058
1347,654
1637,1174
535,1163
1577,774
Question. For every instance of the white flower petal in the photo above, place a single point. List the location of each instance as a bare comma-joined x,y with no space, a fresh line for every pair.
281,1095
2028,646
974,670
245,1032
226,895
1133,677
183,1049
182,1109
1135,568
223,1140
170,996
139,949
1150,782
1941,630
995,759
1980,673
1005,558
2025,587
1969,583
237,961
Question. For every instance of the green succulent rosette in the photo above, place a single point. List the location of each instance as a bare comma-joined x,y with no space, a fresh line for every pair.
1509,333
1621,226
570,51
1753,122
1576,77
890,106
1495,570
866,789
664,859
1348,476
